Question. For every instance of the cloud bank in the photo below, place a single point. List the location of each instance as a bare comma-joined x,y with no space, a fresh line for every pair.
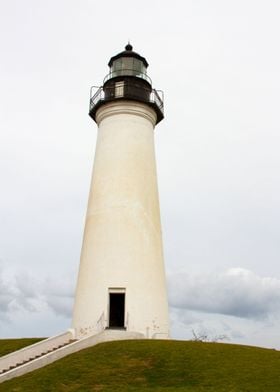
235,292
24,292
235,302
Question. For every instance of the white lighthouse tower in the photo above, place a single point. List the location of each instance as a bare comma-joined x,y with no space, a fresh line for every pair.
121,282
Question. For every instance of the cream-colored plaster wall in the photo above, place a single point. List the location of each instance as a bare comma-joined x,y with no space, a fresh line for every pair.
122,246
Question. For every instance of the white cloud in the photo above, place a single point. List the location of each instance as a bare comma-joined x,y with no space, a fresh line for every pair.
236,292
26,293
238,330
7,294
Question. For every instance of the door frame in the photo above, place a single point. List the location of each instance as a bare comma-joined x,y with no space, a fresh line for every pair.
116,290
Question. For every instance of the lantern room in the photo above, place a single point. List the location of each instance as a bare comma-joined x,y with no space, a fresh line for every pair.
128,63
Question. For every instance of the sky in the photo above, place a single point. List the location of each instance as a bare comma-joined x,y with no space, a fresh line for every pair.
217,157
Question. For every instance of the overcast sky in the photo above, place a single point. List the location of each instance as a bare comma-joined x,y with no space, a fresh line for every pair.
217,152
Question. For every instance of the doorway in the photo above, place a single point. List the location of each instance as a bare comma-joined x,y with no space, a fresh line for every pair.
116,310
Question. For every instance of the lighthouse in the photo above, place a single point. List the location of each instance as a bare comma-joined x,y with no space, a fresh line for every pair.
121,283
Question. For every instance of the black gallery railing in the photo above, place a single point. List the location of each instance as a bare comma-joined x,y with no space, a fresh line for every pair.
126,90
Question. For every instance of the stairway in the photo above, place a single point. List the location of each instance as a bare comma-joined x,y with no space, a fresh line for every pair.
16,365
52,349
18,362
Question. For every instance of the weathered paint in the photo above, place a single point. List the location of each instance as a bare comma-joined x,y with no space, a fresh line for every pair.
122,245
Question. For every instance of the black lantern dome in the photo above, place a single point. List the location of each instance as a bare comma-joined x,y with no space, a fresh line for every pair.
127,80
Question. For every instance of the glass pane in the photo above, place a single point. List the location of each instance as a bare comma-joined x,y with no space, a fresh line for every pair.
117,65
127,63
144,69
137,65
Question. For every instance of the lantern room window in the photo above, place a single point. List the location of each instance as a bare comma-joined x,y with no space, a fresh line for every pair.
128,66
128,63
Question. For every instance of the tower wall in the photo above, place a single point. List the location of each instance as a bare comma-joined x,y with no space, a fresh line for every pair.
122,245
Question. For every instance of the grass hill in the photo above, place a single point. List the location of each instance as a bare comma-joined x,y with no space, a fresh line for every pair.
155,365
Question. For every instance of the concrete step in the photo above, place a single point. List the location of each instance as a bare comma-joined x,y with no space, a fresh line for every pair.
38,356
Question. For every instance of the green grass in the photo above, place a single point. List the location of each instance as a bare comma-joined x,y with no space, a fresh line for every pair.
9,345
149,365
